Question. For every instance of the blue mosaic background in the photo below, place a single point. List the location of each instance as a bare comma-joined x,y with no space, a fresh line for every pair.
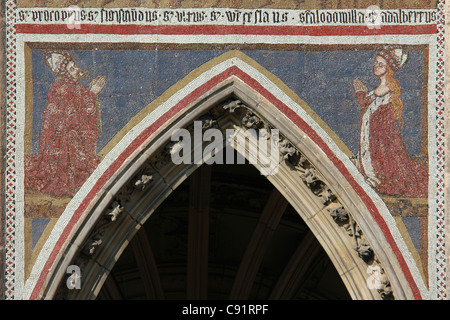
322,79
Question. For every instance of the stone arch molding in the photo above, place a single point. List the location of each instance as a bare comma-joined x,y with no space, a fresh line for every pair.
314,174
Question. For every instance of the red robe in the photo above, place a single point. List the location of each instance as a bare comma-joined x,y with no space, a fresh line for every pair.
398,175
68,141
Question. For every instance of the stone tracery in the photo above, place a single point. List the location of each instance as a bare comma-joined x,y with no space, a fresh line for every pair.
289,153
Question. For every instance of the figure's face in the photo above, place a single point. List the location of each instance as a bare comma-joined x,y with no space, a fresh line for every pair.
74,71
379,66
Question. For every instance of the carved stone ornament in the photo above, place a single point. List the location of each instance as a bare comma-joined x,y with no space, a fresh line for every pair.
143,181
115,211
208,121
327,196
251,121
96,238
310,178
377,278
364,250
94,243
163,157
232,105
287,151
338,213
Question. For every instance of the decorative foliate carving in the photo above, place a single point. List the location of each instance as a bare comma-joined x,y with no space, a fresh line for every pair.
310,178
308,173
115,210
142,181
160,161
218,111
364,251
139,182
96,237
341,216
163,157
175,147
208,121
353,230
301,161
361,246
287,150
379,281
265,131
172,147
338,213
94,243
327,195
232,105
386,291
252,121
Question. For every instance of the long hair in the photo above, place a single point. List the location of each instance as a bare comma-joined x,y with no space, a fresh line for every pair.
397,103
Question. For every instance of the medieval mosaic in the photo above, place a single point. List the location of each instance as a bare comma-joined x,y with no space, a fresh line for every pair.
89,83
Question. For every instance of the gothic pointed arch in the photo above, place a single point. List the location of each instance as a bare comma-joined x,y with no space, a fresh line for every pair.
314,174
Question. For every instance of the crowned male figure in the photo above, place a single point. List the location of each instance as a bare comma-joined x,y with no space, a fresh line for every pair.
70,127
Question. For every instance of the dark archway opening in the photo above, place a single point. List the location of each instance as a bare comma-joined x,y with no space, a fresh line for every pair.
224,233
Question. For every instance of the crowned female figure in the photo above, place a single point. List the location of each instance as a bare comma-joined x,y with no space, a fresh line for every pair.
71,125
382,156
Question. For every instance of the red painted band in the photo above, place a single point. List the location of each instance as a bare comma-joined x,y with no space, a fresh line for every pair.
359,30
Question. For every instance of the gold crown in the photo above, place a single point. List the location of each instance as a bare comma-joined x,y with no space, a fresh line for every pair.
395,57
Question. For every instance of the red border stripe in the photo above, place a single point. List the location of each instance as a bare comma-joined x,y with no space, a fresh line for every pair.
226,29
146,134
